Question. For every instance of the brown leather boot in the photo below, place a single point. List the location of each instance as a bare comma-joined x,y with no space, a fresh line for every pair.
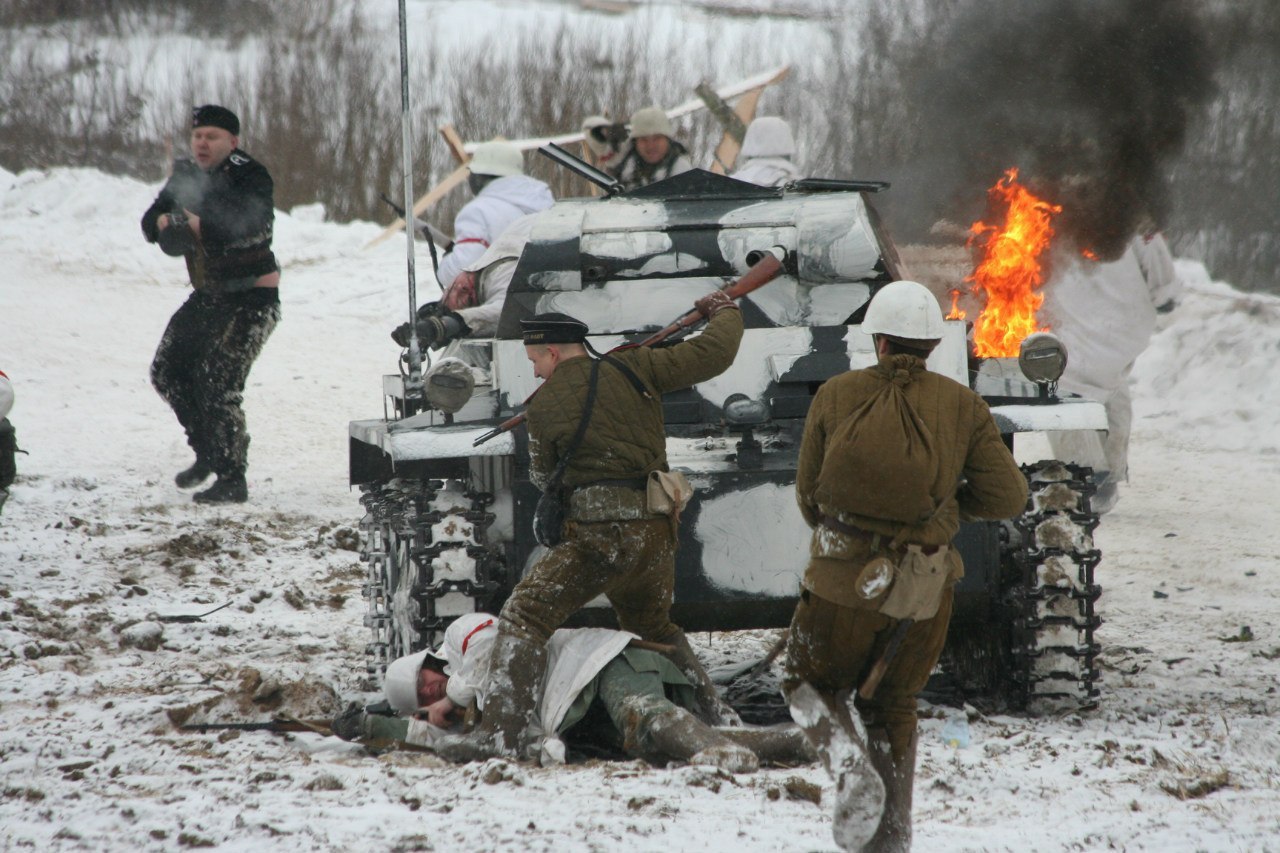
898,773
783,745
675,733
841,743
511,696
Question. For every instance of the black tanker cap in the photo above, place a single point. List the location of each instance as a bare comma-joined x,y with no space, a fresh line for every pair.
553,328
212,115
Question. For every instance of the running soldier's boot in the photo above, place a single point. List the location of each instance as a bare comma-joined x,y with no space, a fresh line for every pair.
898,774
678,734
227,489
841,743
712,709
780,745
193,476
515,677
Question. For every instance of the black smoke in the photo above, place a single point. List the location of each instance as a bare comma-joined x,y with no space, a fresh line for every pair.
1090,99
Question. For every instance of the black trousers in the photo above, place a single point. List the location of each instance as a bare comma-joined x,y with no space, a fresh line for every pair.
201,366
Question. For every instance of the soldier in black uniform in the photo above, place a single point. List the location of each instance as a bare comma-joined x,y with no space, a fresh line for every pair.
217,212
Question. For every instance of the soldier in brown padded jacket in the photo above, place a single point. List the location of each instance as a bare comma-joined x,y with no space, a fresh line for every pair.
840,630
611,542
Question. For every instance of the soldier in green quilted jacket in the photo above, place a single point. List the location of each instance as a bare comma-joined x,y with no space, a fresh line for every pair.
610,543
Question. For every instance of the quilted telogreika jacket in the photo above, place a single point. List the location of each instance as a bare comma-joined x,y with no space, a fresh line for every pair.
977,478
235,203
626,437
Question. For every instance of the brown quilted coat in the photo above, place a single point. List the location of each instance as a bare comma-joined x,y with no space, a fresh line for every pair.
626,437
967,439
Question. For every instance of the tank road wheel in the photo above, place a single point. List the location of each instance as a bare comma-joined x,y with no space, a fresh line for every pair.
1050,591
421,540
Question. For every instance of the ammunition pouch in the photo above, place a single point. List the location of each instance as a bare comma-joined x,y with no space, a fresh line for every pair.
915,580
668,493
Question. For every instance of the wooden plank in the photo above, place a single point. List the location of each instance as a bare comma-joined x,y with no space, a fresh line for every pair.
727,150
432,196
455,143
729,93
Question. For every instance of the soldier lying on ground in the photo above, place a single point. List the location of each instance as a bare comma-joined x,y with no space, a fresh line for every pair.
644,696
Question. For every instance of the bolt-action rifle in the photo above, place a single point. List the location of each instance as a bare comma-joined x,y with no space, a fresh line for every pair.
765,267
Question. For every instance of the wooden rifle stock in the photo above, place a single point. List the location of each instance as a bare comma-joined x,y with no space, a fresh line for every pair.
763,271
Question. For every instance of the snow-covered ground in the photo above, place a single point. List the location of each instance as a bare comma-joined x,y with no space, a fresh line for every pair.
1184,753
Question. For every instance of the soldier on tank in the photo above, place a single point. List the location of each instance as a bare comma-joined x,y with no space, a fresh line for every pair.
470,305
893,458
596,433
767,149
216,211
654,154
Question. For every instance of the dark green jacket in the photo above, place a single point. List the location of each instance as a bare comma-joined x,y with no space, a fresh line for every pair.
626,437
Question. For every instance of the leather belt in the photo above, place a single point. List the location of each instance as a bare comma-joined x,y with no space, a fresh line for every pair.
870,537
637,483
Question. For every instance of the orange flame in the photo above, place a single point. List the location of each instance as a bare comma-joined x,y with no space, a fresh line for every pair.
1009,274
955,313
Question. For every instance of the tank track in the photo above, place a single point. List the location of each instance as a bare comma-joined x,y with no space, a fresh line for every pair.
422,543
1050,592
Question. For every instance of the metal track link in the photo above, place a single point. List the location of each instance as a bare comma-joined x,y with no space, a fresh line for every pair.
1053,592
426,564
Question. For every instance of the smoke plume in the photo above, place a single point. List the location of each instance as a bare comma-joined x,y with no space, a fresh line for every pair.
1091,99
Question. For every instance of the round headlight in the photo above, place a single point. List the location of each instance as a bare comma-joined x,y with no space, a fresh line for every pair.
741,410
1042,357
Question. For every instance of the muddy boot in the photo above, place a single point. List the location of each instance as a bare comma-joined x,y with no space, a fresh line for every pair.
783,745
898,774
841,744
511,700
193,476
676,733
227,489
713,710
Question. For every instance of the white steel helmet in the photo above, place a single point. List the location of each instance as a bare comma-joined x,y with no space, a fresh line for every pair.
6,396
498,158
400,685
768,136
904,309
650,121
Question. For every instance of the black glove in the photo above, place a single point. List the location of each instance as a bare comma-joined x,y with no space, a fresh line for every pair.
176,240
433,330
350,724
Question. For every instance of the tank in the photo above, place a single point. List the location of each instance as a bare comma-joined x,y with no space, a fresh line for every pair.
448,525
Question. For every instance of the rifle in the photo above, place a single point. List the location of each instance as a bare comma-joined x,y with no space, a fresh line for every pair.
280,724
437,236
765,267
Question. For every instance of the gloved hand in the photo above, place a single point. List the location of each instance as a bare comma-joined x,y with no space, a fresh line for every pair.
433,330
351,724
713,303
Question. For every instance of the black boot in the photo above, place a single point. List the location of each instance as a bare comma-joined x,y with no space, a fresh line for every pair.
513,691
713,710
193,476
841,743
227,489
898,772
